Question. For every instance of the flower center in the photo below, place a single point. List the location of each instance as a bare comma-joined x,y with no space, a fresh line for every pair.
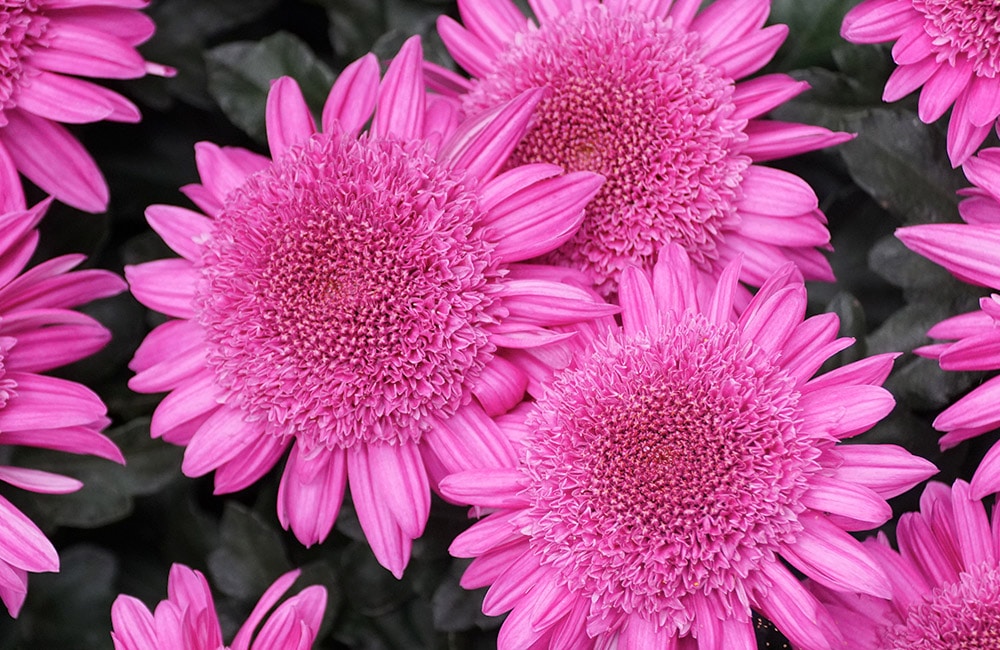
965,27
963,615
22,28
664,467
628,98
345,289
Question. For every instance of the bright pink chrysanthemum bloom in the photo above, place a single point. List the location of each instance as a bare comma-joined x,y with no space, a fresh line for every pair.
971,252
951,48
668,467
41,43
348,300
187,619
644,93
945,580
39,332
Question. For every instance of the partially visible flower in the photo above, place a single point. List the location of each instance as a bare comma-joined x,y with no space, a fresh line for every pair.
971,251
348,299
187,619
951,48
671,466
41,43
39,332
645,93
945,580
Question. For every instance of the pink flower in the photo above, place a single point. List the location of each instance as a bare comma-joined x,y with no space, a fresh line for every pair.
951,48
39,332
347,300
670,465
645,94
187,618
970,251
945,580
41,42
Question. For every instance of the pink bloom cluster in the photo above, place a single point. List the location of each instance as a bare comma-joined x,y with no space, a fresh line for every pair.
567,291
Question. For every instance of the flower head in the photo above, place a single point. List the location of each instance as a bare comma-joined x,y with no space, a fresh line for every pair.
39,332
945,579
670,464
187,618
971,252
41,42
951,48
644,94
348,299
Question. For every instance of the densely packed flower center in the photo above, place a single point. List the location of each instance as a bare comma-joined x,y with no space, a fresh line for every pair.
345,289
630,99
963,615
969,28
22,28
664,467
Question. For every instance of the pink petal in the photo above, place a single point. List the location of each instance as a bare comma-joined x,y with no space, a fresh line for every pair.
638,307
224,436
22,543
61,338
964,137
796,612
78,50
771,323
845,411
876,21
352,97
75,440
769,191
390,546
288,118
757,96
63,99
49,403
540,218
483,143
489,488
266,602
972,527
967,251
750,54
311,492
942,89
728,21
500,386
167,286
550,303
907,78
986,480
133,625
401,98
467,50
36,480
846,499
55,161
250,465
888,470
494,22
770,140
183,230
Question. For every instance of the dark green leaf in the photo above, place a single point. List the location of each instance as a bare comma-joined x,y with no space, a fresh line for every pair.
814,28
240,75
251,557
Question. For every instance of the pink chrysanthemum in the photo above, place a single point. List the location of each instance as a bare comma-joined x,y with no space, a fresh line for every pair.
348,300
187,618
668,467
945,580
644,93
971,252
39,332
41,42
951,48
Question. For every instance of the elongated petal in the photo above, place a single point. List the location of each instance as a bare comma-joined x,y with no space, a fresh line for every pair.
289,121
